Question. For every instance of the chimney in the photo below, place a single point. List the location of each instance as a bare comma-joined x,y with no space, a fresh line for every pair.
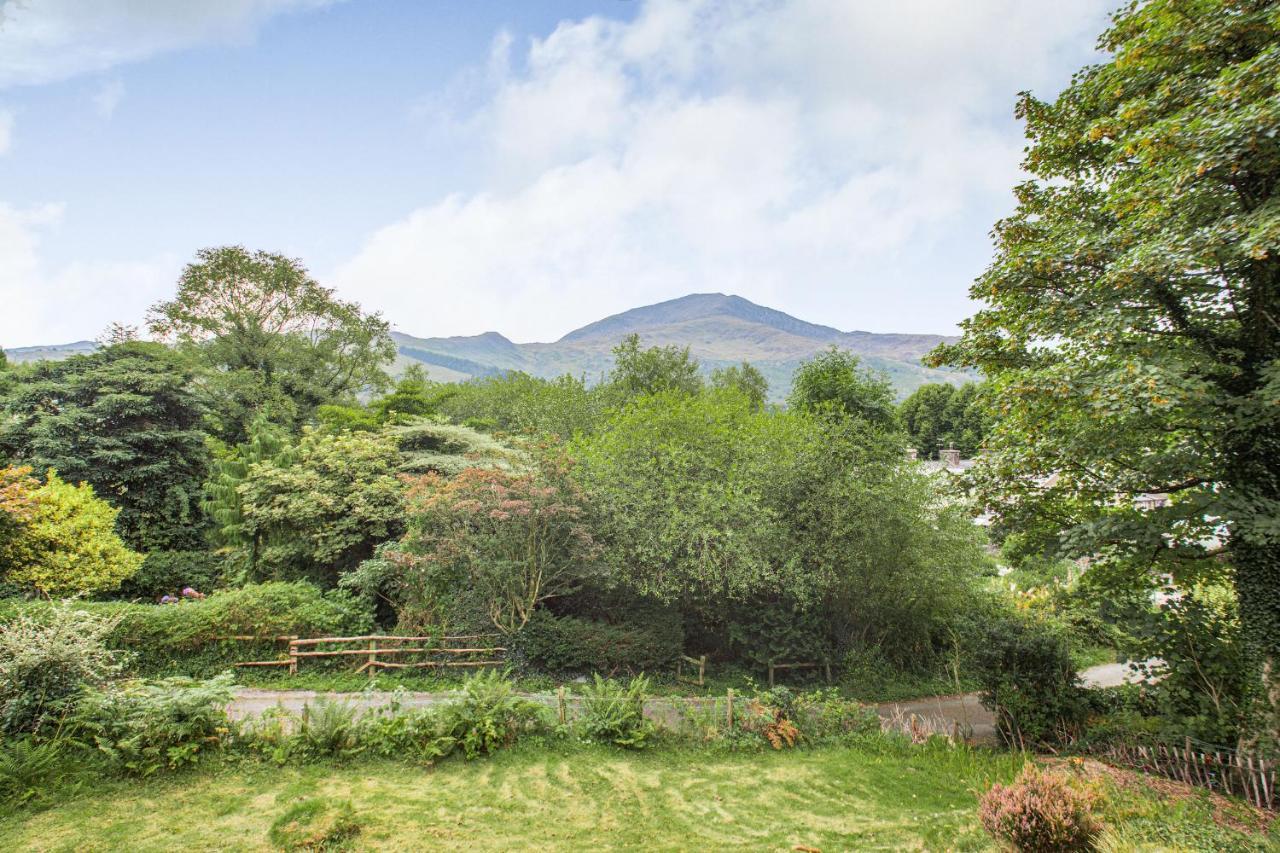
912,455
950,456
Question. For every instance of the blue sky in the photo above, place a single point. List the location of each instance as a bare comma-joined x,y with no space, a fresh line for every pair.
521,166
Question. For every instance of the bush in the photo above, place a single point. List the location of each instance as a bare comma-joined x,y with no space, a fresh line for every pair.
315,824
66,543
1040,812
328,729
44,663
612,713
490,715
29,768
188,638
169,572
390,732
649,641
1028,681
142,727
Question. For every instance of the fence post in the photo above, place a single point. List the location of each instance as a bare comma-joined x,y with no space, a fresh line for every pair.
729,708
293,656
560,708
771,673
702,670
373,656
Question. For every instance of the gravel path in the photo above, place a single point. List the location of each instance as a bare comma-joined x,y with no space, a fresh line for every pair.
936,713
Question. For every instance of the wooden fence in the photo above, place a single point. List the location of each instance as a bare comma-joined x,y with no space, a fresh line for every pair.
1227,771
464,650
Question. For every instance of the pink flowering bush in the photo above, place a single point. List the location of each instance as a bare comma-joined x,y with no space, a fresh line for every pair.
1040,812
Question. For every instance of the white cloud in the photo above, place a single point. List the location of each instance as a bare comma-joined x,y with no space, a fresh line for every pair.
108,97
6,132
46,40
798,153
45,305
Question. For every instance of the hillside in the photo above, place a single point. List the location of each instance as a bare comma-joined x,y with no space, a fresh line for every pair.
719,330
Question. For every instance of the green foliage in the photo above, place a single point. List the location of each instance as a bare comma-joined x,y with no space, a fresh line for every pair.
189,637
30,768
516,402
1028,681
413,396
333,418
1203,683
170,572
489,715
1041,812
125,420
835,380
614,713
328,729
270,338
939,415
646,640
431,447
67,543
316,824
142,727
1129,330
639,372
763,631
323,511
223,502
744,378
511,539
44,663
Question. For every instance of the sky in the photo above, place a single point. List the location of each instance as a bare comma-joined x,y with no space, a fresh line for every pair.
525,166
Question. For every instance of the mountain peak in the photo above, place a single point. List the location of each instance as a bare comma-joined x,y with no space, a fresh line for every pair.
698,306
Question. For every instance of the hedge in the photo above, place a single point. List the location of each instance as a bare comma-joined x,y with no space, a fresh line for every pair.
572,644
188,638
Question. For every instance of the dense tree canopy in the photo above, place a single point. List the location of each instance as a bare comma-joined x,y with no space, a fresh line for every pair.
939,415
1131,323
123,419
274,339
745,378
836,380
638,371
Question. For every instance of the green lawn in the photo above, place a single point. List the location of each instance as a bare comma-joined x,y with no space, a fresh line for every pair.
579,798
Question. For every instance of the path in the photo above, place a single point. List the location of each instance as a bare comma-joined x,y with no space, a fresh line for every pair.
936,713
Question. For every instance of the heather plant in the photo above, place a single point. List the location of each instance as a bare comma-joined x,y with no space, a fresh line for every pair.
44,664
614,713
1040,812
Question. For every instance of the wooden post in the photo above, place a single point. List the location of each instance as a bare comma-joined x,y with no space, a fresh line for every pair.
702,670
771,673
293,656
373,656
729,707
827,666
560,708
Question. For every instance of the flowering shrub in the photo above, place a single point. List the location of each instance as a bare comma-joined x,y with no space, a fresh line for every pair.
1040,812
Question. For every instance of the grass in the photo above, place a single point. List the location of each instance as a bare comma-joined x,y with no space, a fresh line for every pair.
566,796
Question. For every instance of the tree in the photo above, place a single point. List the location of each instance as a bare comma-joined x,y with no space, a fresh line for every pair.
124,420
637,371
510,539
66,544
272,338
222,501
836,379
324,510
414,395
938,415
519,403
1130,330
745,378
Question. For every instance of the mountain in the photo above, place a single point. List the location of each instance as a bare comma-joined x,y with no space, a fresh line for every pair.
49,352
719,330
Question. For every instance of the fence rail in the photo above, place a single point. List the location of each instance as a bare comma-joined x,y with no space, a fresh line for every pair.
1227,771
435,652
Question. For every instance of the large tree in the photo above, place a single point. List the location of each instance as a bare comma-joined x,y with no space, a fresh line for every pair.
272,337
835,379
1132,319
124,420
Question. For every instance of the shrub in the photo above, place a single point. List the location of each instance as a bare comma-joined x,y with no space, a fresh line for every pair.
188,638
612,713
142,727
328,729
169,572
29,768
390,732
44,663
315,824
1040,812
67,543
648,641
1029,681
823,715
489,715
